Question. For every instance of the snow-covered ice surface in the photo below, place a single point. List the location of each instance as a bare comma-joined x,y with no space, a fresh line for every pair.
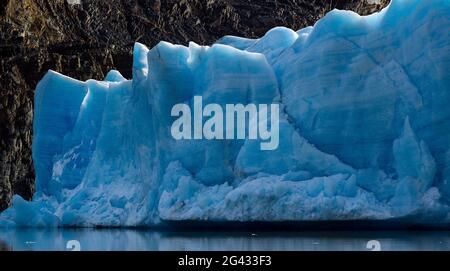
364,129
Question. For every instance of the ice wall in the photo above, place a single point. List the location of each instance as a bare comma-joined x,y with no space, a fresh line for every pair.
364,129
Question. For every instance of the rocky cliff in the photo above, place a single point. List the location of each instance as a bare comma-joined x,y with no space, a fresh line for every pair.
84,39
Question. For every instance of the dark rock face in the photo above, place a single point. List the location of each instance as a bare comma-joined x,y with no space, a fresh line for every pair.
88,39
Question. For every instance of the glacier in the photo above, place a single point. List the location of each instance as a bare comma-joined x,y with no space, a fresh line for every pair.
364,130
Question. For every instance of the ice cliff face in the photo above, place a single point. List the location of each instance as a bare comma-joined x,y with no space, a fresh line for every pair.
364,129
81,42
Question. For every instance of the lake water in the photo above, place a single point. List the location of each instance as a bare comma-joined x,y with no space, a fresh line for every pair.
124,239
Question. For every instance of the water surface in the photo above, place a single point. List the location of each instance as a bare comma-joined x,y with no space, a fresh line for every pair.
138,240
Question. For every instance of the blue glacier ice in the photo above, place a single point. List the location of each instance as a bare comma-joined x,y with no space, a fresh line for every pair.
364,129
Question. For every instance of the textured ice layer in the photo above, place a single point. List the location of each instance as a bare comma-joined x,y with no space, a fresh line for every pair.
364,129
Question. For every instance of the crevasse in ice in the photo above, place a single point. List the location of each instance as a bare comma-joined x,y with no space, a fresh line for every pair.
364,129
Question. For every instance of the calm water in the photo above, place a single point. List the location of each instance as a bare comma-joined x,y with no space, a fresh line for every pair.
119,239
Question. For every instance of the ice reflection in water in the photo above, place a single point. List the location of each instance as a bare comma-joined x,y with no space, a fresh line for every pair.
124,239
